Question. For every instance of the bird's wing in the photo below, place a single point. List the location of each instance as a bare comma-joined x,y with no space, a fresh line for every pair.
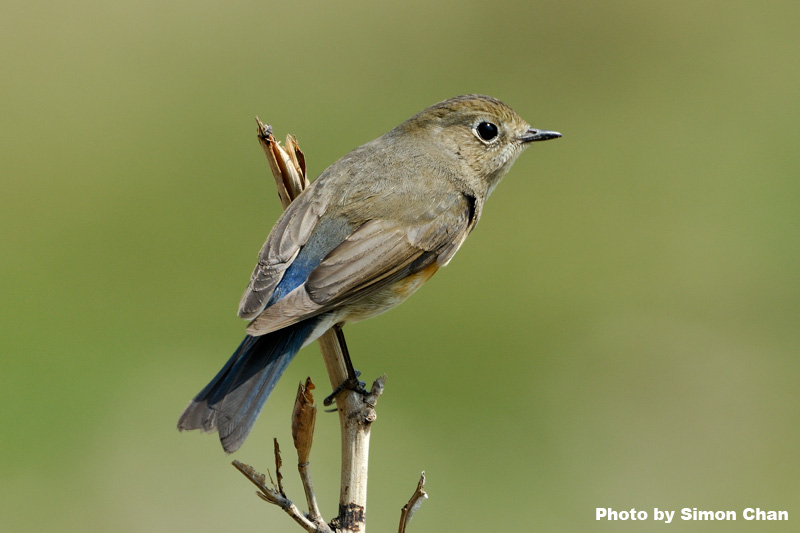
290,234
373,256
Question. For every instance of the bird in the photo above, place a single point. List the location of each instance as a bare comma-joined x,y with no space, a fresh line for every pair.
364,236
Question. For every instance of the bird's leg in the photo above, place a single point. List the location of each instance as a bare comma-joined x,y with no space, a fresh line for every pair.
352,382
352,373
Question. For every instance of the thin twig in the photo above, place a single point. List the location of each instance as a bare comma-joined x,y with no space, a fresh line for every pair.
272,496
414,503
278,465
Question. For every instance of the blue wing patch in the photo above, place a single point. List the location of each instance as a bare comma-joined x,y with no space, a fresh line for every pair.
327,235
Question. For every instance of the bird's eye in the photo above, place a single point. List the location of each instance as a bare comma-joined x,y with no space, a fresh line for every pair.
486,131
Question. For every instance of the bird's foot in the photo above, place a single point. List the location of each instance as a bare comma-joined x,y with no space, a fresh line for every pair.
352,383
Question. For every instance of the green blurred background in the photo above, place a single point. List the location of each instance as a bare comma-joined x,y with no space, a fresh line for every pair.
620,331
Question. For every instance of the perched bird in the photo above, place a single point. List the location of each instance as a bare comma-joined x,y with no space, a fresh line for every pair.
359,240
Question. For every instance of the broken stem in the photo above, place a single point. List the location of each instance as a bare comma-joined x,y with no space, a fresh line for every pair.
414,503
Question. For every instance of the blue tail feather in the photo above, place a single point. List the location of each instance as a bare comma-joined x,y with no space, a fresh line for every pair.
232,401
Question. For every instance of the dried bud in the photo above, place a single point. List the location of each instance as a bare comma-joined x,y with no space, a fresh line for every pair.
303,419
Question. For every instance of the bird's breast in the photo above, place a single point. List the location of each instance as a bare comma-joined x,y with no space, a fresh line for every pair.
389,296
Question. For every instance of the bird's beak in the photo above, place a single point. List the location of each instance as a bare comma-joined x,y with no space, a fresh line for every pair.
538,135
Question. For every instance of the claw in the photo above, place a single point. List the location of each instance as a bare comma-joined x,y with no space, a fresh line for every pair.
352,383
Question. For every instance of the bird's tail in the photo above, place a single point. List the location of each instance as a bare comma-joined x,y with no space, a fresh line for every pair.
232,401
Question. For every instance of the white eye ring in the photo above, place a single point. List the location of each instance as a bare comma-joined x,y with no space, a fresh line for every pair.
487,132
